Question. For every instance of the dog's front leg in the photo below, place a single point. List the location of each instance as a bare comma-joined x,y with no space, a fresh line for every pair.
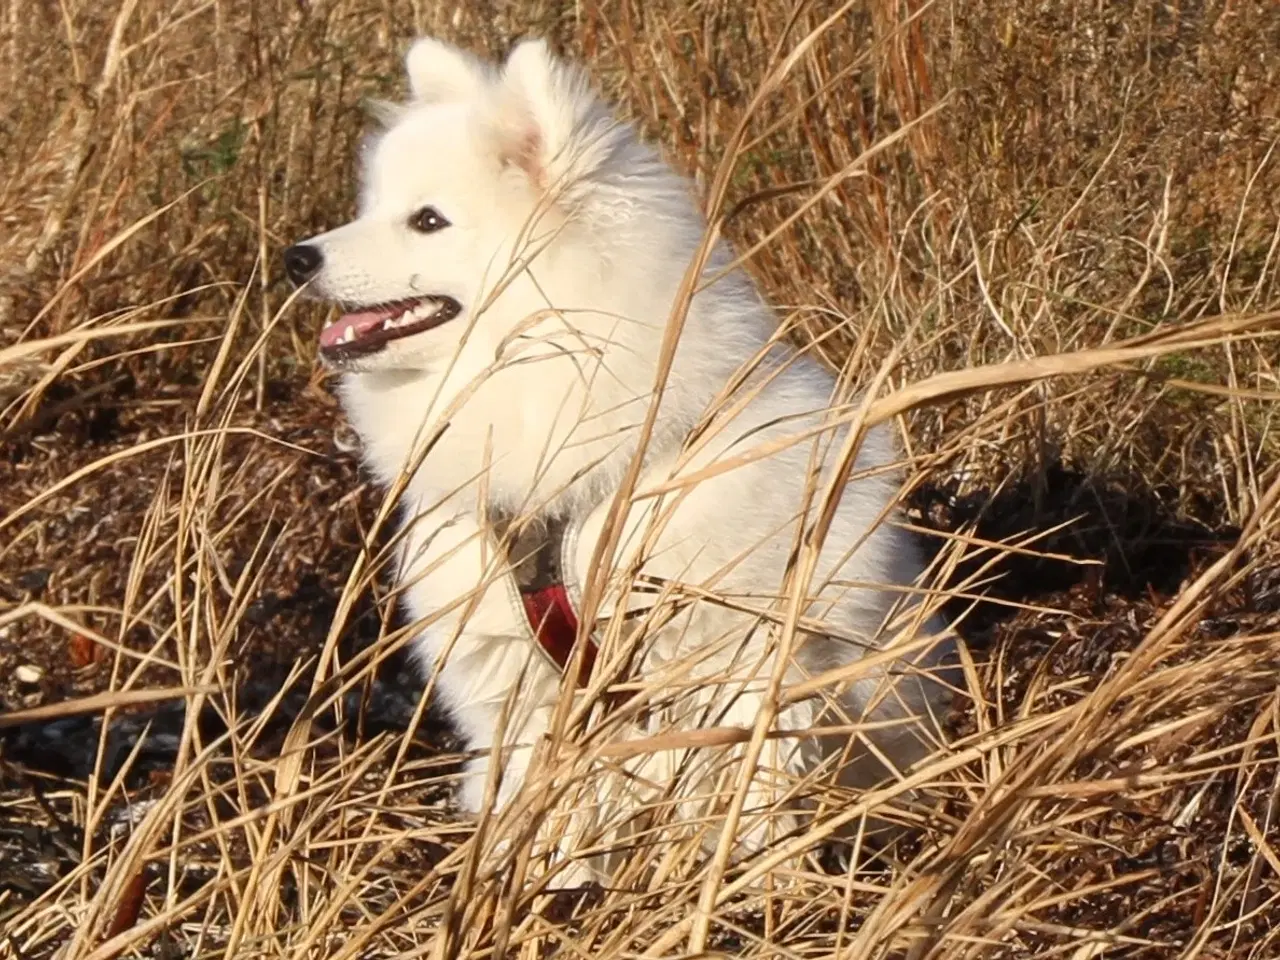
476,644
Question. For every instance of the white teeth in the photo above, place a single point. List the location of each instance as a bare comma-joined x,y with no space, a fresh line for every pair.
420,312
415,314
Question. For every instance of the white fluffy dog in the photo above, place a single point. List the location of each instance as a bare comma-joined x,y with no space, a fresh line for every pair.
507,285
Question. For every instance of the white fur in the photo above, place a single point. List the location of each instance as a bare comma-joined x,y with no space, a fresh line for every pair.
569,240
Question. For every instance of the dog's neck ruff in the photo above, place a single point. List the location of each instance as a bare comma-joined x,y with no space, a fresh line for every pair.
535,551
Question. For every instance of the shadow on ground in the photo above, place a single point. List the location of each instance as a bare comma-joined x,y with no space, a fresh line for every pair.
1091,539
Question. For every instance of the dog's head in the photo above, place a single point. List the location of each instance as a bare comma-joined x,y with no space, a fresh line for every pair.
466,185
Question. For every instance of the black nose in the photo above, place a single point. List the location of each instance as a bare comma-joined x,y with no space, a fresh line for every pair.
302,262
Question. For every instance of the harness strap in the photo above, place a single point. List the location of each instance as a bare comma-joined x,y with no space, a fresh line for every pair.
555,626
534,550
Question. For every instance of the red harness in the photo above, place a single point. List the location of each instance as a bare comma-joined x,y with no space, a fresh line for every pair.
554,623
534,550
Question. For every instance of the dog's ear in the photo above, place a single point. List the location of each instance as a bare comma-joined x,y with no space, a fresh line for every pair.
439,72
549,117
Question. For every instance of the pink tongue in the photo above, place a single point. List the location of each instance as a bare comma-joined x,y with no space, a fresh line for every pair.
366,321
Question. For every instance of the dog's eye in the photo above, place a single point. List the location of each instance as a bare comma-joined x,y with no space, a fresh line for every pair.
427,220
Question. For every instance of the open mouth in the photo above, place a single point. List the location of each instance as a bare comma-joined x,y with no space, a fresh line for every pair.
369,330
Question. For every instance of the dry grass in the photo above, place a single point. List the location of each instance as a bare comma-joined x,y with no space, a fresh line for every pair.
1051,233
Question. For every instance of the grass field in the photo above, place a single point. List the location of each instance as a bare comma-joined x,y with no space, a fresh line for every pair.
1056,226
